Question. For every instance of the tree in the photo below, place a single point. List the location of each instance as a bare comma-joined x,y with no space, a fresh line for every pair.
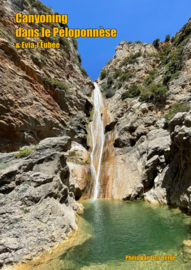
156,43
167,38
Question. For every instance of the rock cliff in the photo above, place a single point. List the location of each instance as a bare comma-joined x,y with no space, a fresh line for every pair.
44,92
147,121
44,163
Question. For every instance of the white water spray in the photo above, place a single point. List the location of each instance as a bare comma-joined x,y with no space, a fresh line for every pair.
97,131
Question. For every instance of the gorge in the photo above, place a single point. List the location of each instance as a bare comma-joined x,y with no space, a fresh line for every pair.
123,142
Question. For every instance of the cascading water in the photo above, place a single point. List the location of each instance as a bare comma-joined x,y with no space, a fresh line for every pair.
97,131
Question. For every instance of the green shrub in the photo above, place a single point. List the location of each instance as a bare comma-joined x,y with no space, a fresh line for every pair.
84,73
62,53
139,42
117,73
119,85
156,55
53,39
109,93
103,86
109,81
40,6
167,38
172,39
164,55
155,93
103,74
41,58
156,43
24,152
75,43
129,42
153,71
65,42
150,78
130,60
185,32
175,108
159,92
134,91
55,83
125,76
79,59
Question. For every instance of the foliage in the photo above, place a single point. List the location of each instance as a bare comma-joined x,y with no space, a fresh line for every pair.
84,73
41,58
185,32
103,74
117,73
55,83
134,91
154,92
39,6
65,42
167,38
109,81
75,43
24,152
132,59
79,59
150,78
109,93
172,61
62,53
175,108
119,85
164,54
129,42
125,76
156,43
139,42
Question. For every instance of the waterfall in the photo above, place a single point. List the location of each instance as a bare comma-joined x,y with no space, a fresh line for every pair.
97,131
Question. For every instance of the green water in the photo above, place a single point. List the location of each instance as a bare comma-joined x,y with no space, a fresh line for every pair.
112,229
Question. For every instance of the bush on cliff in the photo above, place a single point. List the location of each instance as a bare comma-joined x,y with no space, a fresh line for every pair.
134,91
55,83
167,38
103,74
24,152
156,43
109,93
125,76
132,59
39,6
150,78
153,93
175,108
84,73
117,73
110,81
75,43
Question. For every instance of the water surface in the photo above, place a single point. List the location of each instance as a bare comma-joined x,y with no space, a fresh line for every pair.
110,230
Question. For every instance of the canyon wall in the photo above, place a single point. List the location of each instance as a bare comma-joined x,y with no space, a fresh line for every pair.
45,104
147,121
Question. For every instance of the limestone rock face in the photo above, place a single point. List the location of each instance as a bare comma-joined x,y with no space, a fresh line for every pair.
78,161
30,108
37,204
146,155
173,184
